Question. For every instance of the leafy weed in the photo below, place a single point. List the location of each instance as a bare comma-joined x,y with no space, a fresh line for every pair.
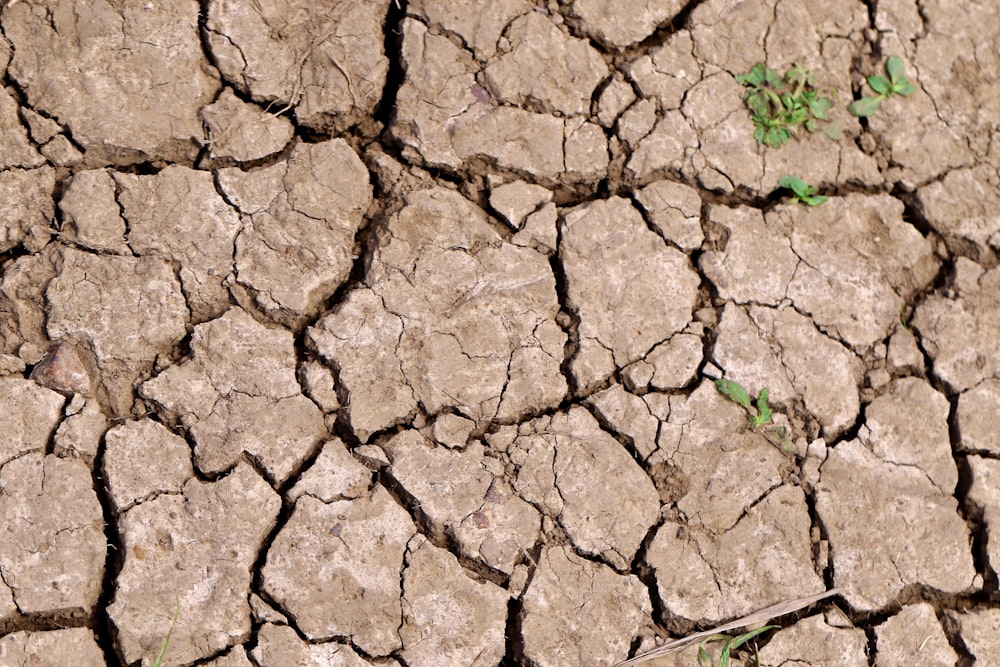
759,415
802,191
732,643
884,87
781,105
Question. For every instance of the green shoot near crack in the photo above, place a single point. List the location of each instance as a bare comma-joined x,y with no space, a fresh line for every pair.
895,84
802,191
781,105
759,414
166,640
732,643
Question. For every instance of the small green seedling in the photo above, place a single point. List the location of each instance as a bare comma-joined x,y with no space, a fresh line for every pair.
759,414
780,105
166,640
895,84
802,191
903,319
732,643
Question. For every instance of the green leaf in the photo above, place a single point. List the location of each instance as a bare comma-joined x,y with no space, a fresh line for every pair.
814,200
764,414
734,391
747,636
834,131
894,67
793,183
904,88
166,640
820,106
866,106
880,84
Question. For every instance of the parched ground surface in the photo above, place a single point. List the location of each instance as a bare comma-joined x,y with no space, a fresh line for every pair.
372,332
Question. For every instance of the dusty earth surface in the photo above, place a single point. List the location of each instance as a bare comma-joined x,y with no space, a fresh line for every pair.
383,333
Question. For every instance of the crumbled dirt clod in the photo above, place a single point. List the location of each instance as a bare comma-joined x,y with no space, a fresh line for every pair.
28,208
562,460
52,554
912,533
948,321
545,67
243,131
328,574
334,475
579,612
460,622
280,646
72,646
914,635
979,630
451,318
30,414
234,403
705,577
985,492
324,61
623,23
191,551
91,213
79,435
630,289
126,310
783,350
127,82
300,216
143,458
813,642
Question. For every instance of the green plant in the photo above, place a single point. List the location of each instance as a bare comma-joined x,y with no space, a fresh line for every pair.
895,84
780,105
760,416
732,643
802,191
166,640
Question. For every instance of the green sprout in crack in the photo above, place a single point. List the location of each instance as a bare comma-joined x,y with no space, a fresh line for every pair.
780,105
884,87
732,643
166,640
802,191
759,415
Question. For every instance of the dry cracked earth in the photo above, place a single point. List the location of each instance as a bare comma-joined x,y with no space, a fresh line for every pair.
367,332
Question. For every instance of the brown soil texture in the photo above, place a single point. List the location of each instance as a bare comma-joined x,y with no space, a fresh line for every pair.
384,332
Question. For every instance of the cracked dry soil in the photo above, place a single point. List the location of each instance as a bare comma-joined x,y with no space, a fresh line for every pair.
367,332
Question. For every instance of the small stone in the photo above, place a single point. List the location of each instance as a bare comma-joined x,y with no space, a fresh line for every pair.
63,370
